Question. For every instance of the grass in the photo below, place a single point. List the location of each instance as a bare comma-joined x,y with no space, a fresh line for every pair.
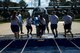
1,22
76,20
6,21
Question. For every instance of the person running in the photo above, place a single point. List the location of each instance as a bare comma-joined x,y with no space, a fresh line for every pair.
20,22
36,23
42,24
28,25
46,16
54,22
15,25
67,23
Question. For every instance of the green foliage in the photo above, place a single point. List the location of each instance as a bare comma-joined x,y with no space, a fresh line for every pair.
77,17
22,3
67,3
6,0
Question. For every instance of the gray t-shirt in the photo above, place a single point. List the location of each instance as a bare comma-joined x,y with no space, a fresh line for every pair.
29,21
67,19
54,19
14,21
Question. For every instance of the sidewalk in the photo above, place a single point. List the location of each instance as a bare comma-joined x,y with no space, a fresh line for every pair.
6,30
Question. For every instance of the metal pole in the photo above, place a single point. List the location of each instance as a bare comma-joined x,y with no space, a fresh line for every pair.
39,2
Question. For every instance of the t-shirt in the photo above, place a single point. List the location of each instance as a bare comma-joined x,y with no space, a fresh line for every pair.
67,19
54,19
20,18
42,22
28,21
14,21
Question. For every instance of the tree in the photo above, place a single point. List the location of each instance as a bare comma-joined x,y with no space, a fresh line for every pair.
0,3
6,0
68,3
6,3
22,3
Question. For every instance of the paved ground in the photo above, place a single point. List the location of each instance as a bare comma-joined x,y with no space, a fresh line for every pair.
6,30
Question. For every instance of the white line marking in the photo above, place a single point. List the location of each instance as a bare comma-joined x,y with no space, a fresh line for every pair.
6,46
74,44
57,46
24,46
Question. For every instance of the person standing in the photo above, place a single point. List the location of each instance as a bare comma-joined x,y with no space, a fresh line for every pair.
20,22
54,22
67,23
15,25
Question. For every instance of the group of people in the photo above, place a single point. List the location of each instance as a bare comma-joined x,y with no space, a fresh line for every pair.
67,23
41,23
